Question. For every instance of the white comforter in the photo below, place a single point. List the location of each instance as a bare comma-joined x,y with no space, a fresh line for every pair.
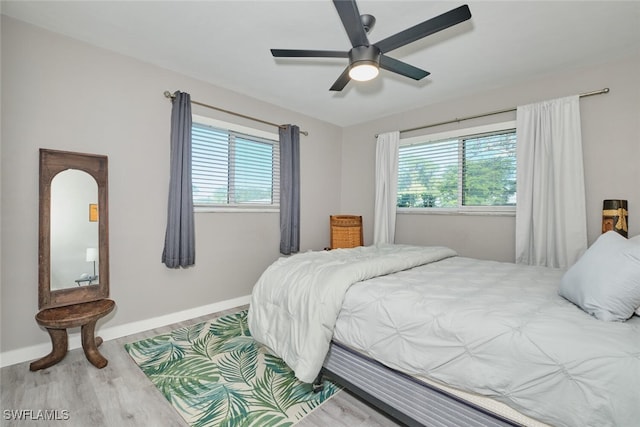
296,301
499,330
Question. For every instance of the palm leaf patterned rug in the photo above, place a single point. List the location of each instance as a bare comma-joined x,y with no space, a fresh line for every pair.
215,374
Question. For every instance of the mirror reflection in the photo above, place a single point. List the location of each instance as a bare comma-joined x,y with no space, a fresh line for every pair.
74,230
73,247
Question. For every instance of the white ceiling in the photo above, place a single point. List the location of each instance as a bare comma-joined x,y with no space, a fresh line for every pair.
227,44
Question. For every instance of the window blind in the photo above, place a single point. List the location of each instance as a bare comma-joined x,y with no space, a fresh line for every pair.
476,170
233,169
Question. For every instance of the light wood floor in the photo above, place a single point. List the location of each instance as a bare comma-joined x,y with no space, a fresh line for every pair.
120,394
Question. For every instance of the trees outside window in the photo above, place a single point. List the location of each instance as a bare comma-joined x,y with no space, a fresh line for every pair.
477,170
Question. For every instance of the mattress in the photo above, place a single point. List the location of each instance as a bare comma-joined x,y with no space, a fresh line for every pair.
416,401
498,331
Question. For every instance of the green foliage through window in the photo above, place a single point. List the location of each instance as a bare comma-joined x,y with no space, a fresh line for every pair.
477,170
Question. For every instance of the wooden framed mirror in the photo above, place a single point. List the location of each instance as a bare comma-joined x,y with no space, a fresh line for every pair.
74,229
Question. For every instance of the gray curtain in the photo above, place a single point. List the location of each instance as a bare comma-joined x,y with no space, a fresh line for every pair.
179,241
289,189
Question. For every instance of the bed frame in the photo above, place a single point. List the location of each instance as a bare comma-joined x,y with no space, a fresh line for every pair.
401,396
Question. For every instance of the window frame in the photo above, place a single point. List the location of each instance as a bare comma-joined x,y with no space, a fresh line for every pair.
459,134
248,131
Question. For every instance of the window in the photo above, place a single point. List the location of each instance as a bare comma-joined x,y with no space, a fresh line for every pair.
233,169
473,170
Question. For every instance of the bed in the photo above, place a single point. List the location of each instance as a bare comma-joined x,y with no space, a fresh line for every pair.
438,339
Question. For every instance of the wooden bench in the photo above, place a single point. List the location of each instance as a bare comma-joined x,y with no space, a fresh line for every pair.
58,319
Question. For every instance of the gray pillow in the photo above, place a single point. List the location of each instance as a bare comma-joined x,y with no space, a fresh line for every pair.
605,281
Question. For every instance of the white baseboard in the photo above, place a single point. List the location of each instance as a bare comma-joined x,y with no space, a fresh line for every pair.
37,351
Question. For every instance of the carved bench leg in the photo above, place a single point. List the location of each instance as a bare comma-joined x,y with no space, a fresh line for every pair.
59,342
90,345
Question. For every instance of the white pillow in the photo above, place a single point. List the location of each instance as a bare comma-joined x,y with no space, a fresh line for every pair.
605,281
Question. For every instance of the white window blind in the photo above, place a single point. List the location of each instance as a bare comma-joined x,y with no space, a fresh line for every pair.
477,170
233,169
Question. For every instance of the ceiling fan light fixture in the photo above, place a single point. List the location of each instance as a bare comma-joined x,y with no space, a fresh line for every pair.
363,71
365,59
364,63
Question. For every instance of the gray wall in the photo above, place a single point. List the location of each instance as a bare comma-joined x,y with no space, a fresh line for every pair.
611,150
62,94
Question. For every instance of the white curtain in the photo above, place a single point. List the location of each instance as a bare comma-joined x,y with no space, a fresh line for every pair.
551,224
387,147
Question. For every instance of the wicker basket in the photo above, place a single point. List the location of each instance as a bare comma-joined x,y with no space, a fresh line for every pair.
346,231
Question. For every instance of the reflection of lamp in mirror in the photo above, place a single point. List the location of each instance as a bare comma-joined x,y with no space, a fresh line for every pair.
92,256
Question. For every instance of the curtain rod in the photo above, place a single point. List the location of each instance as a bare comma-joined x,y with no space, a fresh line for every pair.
506,110
168,94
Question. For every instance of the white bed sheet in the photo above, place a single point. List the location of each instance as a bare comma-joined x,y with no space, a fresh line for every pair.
499,330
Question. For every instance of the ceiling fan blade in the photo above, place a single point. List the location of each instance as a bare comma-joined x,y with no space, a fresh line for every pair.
402,68
350,17
342,81
424,29
300,53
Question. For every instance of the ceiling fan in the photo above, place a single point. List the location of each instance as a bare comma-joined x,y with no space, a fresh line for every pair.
366,59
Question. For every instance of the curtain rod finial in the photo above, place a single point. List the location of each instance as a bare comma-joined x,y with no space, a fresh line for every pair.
168,94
